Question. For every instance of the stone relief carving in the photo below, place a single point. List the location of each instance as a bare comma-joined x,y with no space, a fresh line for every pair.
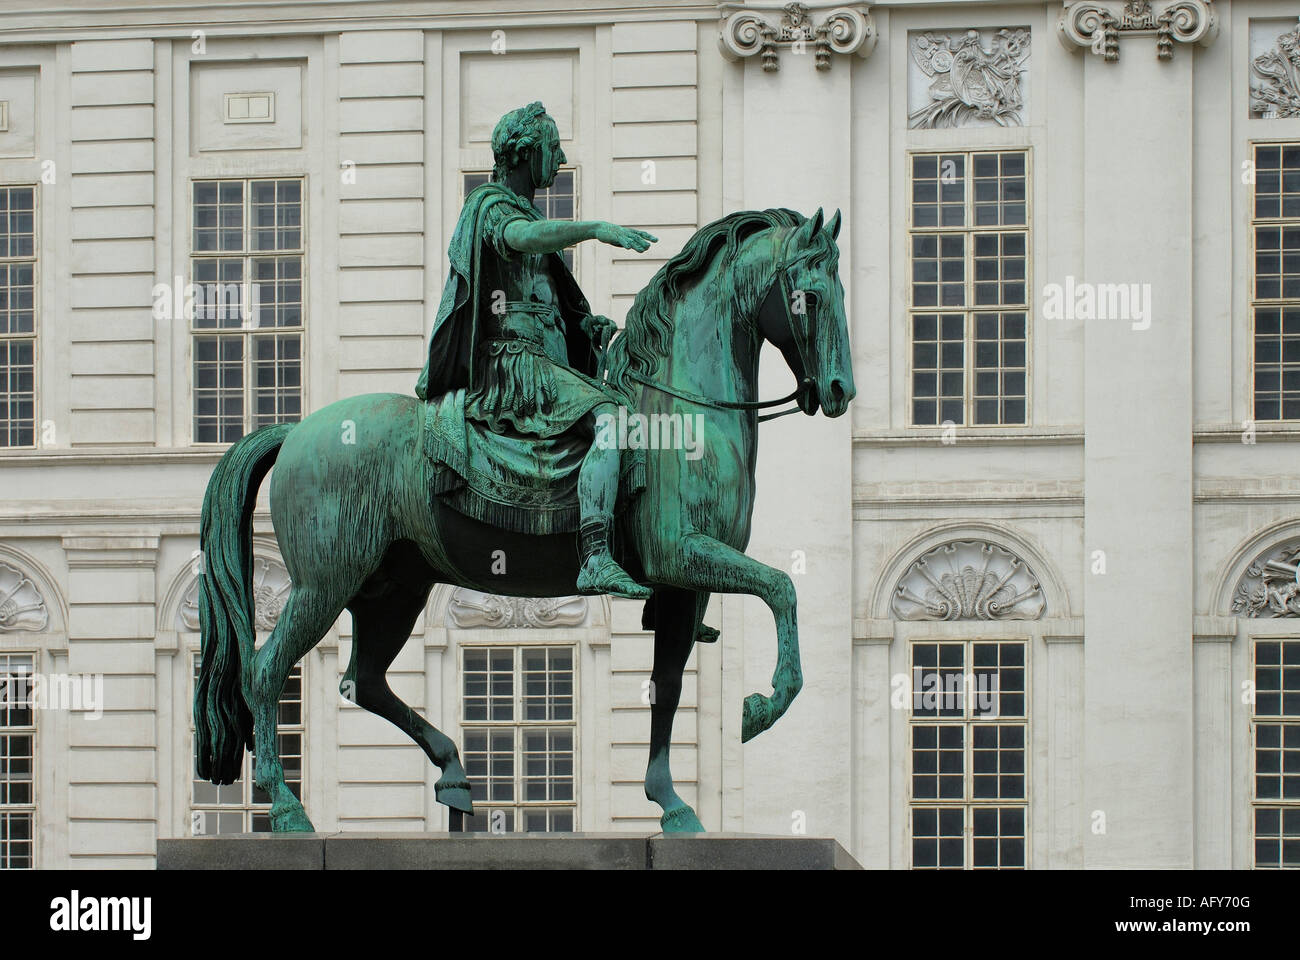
471,608
746,31
1270,587
1098,27
21,605
968,580
1275,79
271,585
970,84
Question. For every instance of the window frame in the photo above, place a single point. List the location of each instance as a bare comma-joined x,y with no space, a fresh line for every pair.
968,804
1254,720
35,335
969,309
33,658
247,332
519,805
1253,303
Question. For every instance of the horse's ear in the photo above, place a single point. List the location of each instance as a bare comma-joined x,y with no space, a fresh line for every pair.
817,220
833,226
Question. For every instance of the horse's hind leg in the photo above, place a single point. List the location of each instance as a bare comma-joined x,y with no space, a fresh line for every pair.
677,618
381,626
306,617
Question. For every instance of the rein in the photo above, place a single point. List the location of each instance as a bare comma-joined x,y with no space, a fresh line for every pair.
805,382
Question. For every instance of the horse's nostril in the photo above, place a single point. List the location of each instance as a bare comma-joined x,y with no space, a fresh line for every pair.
838,393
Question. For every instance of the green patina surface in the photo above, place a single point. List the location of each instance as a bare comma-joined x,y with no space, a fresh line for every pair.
507,447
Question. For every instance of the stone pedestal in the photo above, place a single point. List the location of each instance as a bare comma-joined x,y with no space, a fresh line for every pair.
459,851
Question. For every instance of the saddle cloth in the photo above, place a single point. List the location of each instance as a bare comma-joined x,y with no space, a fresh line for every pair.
516,482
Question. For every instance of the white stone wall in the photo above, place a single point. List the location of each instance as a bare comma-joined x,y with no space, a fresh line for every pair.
1133,445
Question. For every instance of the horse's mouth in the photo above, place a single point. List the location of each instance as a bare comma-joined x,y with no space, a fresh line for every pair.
808,400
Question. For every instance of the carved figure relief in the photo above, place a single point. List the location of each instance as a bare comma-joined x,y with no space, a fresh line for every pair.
971,85
1270,587
1275,78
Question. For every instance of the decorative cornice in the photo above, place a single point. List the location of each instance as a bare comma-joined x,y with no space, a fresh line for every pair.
760,27
1099,26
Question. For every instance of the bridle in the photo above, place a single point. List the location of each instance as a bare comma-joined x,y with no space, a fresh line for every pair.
796,332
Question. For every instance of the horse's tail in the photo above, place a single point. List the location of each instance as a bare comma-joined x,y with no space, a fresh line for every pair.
223,724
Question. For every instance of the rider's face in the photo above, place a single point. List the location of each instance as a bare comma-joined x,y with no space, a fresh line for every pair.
548,157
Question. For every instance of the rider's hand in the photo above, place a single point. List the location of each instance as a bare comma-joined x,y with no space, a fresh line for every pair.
628,238
599,329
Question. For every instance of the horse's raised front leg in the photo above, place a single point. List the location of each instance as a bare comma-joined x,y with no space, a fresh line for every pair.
306,617
381,626
711,566
677,617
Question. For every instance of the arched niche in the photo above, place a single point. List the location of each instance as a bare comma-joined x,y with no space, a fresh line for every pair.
29,601
1268,585
271,583
968,573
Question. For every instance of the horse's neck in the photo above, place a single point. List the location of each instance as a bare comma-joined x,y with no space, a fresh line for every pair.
715,339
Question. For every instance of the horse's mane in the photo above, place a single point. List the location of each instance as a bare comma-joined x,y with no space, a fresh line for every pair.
647,335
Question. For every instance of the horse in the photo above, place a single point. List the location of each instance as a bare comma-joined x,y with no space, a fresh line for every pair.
358,528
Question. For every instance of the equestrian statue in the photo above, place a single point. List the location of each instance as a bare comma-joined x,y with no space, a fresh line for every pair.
506,451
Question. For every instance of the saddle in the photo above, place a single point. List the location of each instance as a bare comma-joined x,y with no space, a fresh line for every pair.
514,481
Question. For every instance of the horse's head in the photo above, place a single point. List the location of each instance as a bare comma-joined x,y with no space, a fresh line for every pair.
803,315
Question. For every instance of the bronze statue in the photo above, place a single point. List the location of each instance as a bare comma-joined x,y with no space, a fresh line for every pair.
476,482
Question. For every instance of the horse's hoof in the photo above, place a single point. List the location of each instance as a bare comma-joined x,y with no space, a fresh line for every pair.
681,820
706,634
454,794
293,820
756,717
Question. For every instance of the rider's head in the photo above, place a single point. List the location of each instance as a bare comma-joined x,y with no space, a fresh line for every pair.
527,135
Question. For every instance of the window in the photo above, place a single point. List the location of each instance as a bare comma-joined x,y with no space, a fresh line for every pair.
1275,299
968,300
17,316
1275,736
243,807
247,271
559,201
517,715
17,763
968,744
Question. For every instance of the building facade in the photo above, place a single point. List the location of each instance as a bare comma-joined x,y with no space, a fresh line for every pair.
1046,565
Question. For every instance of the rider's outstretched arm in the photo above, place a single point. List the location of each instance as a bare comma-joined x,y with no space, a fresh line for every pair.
552,236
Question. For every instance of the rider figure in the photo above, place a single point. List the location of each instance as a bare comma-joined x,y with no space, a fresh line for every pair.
519,334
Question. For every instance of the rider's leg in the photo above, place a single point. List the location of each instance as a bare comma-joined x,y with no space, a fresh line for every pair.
597,493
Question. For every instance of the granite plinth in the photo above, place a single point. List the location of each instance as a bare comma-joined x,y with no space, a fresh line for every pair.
461,851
